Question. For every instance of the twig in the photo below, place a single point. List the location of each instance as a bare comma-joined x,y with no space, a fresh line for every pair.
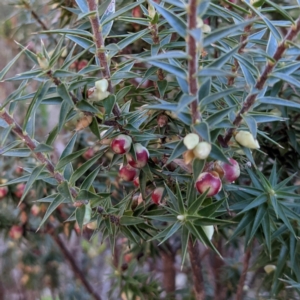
69,257
32,145
193,61
243,39
37,18
156,41
58,82
262,80
100,49
239,293
194,254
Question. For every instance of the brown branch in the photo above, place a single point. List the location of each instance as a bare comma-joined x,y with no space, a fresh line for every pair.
243,44
77,271
193,61
100,49
17,130
168,267
35,15
239,293
262,80
194,254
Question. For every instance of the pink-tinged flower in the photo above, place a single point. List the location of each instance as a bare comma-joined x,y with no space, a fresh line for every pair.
229,173
142,156
3,191
121,144
209,180
157,195
127,173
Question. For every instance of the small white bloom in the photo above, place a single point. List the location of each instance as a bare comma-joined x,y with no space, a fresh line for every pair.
269,268
246,139
202,150
191,140
209,231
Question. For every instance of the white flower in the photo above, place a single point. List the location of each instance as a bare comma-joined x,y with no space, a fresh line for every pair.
246,139
191,140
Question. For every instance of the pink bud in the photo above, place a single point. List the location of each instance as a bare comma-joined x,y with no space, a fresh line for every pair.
15,232
157,195
209,180
127,173
136,182
19,190
229,173
162,120
3,192
142,156
121,144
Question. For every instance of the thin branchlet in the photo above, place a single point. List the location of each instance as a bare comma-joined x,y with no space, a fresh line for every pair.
100,52
260,83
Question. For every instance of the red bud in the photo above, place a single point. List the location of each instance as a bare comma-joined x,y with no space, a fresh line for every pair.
157,195
121,144
230,172
211,181
142,156
127,173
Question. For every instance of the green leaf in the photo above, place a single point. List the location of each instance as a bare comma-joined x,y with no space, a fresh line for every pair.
43,148
19,152
216,96
203,130
38,97
64,93
176,71
70,147
33,177
176,22
278,101
53,205
4,71
69,158
252,125
179,149
217,154
64,190
259,216
176,226
109,104
80,214
184,243
84,167
194,207
82,5
198,166
128,220
218,34
121,11
9,146
218,116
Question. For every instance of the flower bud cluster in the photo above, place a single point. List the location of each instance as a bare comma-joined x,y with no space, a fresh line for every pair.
121,145
217,172
99,91
196,149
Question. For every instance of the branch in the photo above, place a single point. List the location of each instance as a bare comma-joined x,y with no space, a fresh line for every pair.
69,257
58,82
32,145
243,44
239,294
195,259
262,80
100,49
193,61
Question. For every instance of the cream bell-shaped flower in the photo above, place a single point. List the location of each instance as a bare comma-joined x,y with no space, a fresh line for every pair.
246,139
202,150
191,140
209,231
